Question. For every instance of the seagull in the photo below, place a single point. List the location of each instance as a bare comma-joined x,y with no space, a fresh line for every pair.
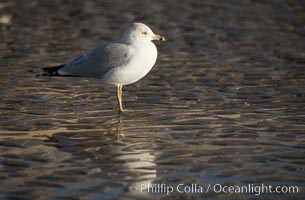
117,63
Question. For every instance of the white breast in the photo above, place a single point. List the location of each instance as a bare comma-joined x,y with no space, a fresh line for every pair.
142,61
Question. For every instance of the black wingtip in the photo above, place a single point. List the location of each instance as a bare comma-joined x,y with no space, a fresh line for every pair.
52,71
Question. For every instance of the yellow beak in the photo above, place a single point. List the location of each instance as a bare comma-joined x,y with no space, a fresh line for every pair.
159,37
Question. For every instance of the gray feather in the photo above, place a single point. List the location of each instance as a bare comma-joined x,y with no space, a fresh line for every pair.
99,61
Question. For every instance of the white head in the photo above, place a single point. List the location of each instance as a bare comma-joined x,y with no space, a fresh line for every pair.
138,32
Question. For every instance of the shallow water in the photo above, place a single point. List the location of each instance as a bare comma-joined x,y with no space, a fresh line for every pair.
224,104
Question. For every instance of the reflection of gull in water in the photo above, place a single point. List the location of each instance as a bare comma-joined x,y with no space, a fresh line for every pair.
140,162
116,63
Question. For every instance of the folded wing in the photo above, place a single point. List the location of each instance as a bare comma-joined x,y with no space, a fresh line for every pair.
98,62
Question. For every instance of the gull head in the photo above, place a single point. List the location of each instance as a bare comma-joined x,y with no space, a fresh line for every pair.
138,32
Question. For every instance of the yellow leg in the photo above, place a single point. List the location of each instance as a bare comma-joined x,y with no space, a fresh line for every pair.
119,94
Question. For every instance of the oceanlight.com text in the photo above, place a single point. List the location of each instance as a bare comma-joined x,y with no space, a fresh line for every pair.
254,189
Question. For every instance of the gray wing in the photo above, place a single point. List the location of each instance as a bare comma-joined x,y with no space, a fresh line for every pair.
99,61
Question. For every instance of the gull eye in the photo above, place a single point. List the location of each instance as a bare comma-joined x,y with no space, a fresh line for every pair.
144,33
